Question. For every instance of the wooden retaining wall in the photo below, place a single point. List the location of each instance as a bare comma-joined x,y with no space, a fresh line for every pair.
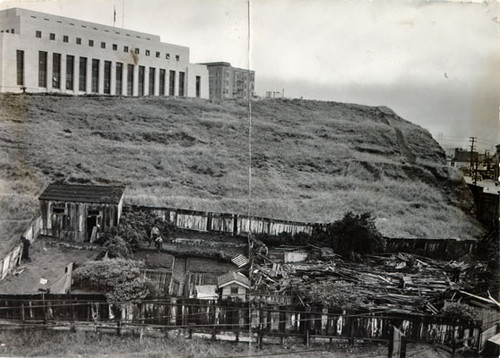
260,318
235,224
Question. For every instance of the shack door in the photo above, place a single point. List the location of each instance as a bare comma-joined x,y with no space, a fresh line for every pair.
94,220
58,221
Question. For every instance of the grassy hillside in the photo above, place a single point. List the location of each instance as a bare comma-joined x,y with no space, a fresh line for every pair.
312,161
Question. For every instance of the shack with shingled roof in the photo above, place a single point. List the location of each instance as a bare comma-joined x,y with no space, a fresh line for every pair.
80,212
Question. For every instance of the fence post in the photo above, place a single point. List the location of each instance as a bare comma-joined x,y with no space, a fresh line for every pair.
214,321
402,349
306,324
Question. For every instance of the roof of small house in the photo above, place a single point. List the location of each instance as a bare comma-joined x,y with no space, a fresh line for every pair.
105,194
233,277
206,292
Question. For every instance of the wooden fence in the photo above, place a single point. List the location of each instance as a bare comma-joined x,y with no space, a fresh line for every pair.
235,224
262,319
13,258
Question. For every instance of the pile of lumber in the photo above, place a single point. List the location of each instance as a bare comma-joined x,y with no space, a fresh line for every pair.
396,281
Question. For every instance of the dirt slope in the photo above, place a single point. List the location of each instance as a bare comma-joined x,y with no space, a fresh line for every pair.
312,161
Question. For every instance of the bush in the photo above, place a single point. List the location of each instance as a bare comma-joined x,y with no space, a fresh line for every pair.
134,229
116,247
354,233
458,310
120,279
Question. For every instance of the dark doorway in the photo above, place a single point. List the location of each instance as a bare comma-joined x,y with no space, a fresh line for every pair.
91,223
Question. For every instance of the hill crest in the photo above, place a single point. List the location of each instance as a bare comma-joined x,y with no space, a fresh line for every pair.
311,161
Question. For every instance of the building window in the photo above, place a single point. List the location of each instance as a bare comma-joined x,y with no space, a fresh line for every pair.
42,69
119,77
234,290
167,56
107,77
162,82
82,76
125,48
198,86
115,47
177,57
137,51
20,67
130,80
171,83
78,41
38,34
95,75
181,84
158,54
152,74
12,30
147,53
70,65
103,44
142,71
91,43
56,70
65,38
52,36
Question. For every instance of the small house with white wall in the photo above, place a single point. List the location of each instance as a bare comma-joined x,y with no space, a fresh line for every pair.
80,212
233,285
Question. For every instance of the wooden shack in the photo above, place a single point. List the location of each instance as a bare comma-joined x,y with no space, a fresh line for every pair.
80,212
233,285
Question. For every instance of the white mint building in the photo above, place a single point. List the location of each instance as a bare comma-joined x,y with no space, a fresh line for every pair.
47,53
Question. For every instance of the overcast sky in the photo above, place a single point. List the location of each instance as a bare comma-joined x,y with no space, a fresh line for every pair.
436,64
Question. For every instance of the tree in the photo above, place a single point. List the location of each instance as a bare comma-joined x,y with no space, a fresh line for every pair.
354,233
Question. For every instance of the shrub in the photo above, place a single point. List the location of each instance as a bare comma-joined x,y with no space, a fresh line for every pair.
457,310
134,229
120,279
354,233
116,247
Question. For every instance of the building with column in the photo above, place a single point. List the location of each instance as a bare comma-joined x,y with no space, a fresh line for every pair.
46,53
226,81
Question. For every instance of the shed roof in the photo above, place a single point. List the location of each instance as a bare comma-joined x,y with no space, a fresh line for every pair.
233,277
106,194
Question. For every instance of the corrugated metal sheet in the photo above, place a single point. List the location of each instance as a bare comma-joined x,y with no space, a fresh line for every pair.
83,193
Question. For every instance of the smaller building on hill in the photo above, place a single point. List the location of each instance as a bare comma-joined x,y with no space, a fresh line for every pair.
80,212
226,81
233,285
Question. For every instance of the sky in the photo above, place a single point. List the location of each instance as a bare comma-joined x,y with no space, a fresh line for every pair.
435,63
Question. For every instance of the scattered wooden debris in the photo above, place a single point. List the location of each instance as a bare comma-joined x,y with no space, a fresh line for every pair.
397,281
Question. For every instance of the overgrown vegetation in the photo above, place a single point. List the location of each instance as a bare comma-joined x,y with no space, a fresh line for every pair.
134,229
119,279
457,310
354,233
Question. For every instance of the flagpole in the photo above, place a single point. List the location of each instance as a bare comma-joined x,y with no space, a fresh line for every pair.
114,15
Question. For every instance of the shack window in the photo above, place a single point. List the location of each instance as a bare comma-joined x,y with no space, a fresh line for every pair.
59,209
94,212
234,290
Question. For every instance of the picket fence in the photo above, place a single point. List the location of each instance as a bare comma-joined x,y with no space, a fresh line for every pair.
226,316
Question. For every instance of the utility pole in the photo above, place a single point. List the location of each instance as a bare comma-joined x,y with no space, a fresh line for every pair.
472,140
